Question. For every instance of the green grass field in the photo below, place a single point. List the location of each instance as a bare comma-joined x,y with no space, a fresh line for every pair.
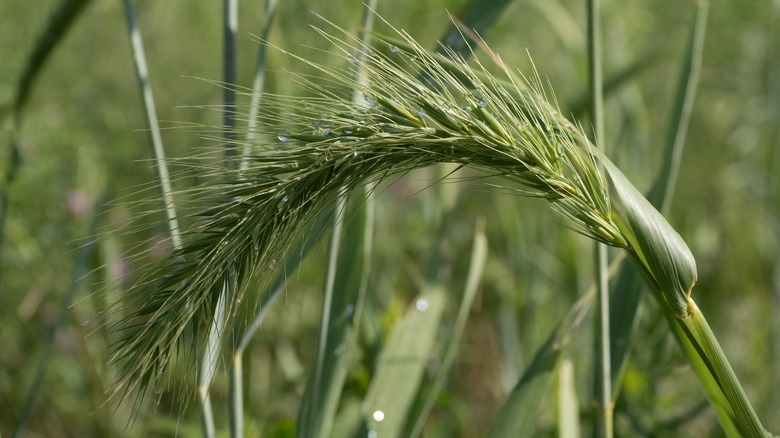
447,297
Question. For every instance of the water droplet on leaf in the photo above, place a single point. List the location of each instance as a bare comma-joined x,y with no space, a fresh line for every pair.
394,49
421,304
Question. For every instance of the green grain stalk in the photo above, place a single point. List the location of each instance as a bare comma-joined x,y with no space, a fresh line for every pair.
459,114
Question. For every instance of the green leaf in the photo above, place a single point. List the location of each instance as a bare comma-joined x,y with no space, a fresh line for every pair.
519,415
476,266
568,406
61,19
478,16
402,362
323,390
656,244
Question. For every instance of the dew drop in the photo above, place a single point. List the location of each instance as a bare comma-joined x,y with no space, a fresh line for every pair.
369,100
421,113
283,138
372,434
421,304
285,199
272,264
394,49
351,59
378,416
467,108
482,103
349,310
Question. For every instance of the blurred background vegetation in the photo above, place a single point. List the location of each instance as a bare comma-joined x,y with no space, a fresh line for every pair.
81,143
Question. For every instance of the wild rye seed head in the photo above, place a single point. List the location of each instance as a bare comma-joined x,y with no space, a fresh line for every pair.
418,109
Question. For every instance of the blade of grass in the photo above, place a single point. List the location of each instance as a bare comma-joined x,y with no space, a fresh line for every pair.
60,21
518,416
399,371
62,17
144,85
477,18
629,290
476,266
322,396
568,407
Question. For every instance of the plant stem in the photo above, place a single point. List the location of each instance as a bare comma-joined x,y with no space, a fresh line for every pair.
604,373
161,167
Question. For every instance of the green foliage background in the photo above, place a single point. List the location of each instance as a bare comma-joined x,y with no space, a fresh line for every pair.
82,138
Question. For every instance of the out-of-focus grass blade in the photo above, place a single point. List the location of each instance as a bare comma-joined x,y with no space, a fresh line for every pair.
323,391
402,362
661,194
476,266
519,415
613,82
476,17
628,291
155,138
568,406
61,19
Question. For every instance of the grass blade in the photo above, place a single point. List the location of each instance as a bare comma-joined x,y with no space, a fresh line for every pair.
476,266
568,406
476,18
519,414
401,365
60,21
62,17
144,85
323,392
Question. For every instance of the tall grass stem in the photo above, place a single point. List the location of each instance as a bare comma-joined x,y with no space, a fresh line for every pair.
144,84
604,373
